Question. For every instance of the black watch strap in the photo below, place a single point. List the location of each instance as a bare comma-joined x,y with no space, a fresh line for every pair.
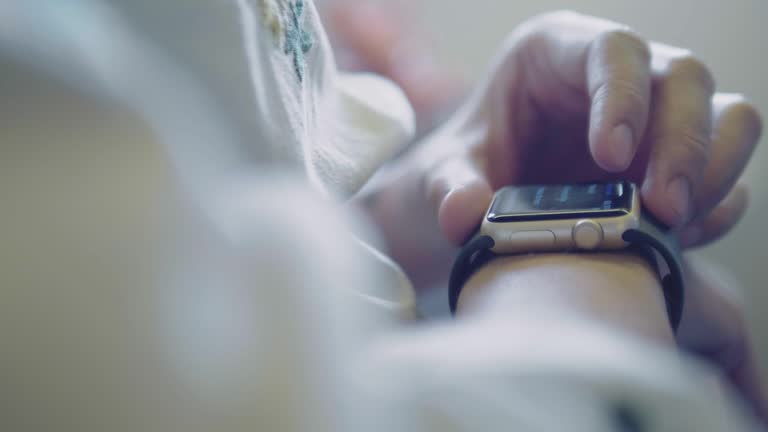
650,235
471,257
654,235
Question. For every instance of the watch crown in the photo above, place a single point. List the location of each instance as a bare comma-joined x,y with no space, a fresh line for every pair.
587,234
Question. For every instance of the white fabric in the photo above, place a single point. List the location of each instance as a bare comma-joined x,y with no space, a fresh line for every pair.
176,258
226,103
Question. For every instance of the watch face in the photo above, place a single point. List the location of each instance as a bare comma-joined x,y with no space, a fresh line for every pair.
546,202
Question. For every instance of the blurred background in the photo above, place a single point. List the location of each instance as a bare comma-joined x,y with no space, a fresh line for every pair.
729,36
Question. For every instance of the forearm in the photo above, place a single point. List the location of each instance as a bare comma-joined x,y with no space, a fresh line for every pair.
622,290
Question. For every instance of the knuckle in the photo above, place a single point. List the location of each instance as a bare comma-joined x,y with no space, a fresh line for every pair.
625,40
559,16
689,67
696,145
535,31
526,39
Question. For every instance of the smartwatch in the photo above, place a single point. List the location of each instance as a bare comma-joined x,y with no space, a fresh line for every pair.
575,217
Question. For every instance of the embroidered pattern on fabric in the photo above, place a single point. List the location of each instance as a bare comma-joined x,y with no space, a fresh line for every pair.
270,14
298,41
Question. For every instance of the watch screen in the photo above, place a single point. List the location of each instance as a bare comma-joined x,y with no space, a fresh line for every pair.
541,202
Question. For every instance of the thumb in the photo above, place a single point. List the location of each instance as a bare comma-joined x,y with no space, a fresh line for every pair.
459,194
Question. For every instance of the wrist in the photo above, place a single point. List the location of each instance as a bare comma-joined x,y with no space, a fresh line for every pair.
620,289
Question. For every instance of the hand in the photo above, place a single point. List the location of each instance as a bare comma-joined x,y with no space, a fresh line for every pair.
715,328
574,98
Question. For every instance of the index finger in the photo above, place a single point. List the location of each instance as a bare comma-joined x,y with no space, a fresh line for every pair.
572,65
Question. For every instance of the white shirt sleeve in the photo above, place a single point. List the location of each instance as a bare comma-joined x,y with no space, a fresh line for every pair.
540,374
269,66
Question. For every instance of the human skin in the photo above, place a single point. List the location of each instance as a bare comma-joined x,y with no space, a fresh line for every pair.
572,98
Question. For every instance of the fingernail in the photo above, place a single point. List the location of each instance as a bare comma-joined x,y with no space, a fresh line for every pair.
623,146
679,192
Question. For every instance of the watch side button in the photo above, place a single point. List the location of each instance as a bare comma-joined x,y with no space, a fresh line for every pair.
532,239
587,234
